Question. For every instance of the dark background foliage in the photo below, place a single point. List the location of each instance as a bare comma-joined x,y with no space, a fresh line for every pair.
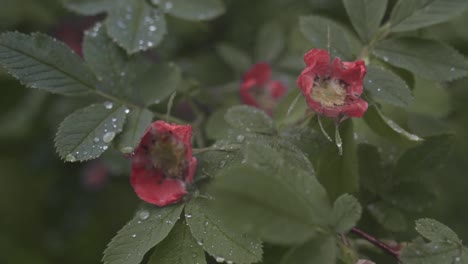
55,212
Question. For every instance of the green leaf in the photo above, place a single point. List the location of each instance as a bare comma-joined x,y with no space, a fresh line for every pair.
346,212
388,216
157,83
436,231
88,7
387,87
136,25
179,247
216,126
88,132
108,62
387,128
270,42
290,108
320,249
137,122
193,10
250,119
323,32
365,15
371,171
238,60
423,160
217,238
414,14
432,253
41,62
339,173
281,208
150,226
429,59
411,196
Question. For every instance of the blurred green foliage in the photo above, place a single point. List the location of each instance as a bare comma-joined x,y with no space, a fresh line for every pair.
58,213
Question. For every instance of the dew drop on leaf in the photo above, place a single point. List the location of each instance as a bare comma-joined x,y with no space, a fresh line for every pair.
222,163
108,137
108,105
152,28
143,214
127,111
70,158
168,6
104,147
240,138
96,140
134,235
126,150
219,259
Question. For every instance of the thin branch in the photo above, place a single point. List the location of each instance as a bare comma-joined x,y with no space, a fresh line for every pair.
376,242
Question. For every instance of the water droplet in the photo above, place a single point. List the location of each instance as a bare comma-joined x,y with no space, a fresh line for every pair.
134,235
152,28
452,69
229,262
168,6
168,222
200,243
457,259
188,215
104,147
385,58
157,101
150,44
96,140
219,259
70,158
369,81
108,105
126,150
121,24
240,138
378,89
123,73
207,223
108,137
143,214
114,119
222,164
127,111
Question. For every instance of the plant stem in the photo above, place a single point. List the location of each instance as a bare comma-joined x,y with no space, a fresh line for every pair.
376,242
226,148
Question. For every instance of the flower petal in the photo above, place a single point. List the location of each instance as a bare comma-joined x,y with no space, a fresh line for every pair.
260,73
151,187
318,60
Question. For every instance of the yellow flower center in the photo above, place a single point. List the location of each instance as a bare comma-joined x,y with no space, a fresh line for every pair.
329,93
168,155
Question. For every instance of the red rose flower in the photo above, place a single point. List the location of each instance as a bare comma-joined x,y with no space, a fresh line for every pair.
162,164
333,88
258,90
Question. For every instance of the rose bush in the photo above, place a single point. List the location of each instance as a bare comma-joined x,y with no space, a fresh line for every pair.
208,121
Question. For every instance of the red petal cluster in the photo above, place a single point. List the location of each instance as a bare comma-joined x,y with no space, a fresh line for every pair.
154,184
259,90
348,76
